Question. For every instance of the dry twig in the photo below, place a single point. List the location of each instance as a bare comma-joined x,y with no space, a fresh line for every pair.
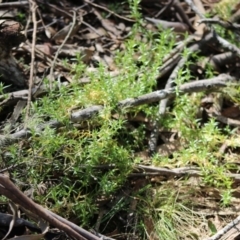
33,7
8,189
60,47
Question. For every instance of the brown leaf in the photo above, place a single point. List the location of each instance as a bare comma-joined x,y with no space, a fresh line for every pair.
60,35
108,24
49,31
93,35
71,50
169,148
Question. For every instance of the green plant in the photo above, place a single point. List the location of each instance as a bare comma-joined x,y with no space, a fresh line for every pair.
78,166
134,6
21,17
171,216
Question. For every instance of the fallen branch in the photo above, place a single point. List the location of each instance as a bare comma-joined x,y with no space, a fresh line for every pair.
230,231
85,114
14,4
8,189
220,81
176,172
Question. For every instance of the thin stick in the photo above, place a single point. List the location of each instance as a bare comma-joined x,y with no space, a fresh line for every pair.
111,12
33,10
8,189
60,47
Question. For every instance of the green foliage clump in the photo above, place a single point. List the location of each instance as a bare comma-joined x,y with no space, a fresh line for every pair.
74,167
66,166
